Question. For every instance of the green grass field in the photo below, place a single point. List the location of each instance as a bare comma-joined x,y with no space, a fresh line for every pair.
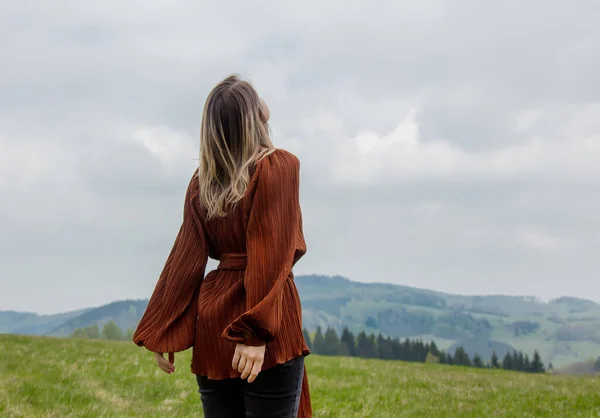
49,377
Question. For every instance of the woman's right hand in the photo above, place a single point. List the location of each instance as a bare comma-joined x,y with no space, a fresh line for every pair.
166,366
248,360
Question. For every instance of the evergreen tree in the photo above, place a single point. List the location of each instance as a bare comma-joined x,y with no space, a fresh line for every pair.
386,351
422,350
397,349
536,365
381,346
443,357
415,348
514,360
343,349
319,342
364,346
307,338
390,343
527,364
461,358
408,351
349,341
507,362
111,331
477,361
433,349
521,362
494,361
596,365
332,343
375,347
551,367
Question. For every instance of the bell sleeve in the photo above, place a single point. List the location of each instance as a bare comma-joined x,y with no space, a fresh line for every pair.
169,322
271,245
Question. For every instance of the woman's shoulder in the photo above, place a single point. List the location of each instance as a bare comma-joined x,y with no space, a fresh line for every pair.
278,170
281,159
193,189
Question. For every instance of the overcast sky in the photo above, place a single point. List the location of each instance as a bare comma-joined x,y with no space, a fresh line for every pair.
448,145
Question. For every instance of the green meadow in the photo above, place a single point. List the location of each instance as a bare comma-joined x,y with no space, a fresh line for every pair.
53,377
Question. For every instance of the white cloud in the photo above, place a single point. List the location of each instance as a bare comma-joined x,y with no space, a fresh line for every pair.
538,239
164,143
402,155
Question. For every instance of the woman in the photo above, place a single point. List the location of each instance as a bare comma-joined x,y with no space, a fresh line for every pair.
244,318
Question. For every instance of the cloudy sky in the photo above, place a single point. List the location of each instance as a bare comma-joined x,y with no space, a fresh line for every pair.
449,145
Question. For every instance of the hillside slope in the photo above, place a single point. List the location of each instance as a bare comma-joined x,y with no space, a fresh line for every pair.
31,323
44,376
564,331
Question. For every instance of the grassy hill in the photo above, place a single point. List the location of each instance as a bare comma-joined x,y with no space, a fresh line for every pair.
54,377
564,331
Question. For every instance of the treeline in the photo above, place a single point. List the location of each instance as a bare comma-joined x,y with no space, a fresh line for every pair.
370,346
386,348
110,331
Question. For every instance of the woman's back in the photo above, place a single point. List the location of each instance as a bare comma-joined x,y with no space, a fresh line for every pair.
277,175
257,243
251,297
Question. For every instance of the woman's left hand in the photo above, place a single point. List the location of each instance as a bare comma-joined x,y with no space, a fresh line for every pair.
166,366
248,360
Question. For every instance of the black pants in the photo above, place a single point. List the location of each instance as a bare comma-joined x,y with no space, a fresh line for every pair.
275,393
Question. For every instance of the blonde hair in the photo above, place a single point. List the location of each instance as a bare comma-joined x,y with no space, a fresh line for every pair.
233,136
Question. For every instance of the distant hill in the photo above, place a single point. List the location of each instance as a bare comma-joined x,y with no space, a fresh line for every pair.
126,314
34,324
582,368
575,304
564,330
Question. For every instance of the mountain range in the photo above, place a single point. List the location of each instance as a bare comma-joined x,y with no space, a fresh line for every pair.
564,330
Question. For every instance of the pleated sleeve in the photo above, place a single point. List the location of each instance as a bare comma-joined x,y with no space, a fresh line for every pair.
169,322
271,239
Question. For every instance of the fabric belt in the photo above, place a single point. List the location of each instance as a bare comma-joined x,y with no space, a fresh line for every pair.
233,261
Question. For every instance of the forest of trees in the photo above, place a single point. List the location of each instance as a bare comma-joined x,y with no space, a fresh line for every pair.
371,346
110,331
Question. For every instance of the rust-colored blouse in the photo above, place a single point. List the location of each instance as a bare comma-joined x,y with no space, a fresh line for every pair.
251,297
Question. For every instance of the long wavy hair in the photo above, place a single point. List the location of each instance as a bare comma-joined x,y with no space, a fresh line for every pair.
234,135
